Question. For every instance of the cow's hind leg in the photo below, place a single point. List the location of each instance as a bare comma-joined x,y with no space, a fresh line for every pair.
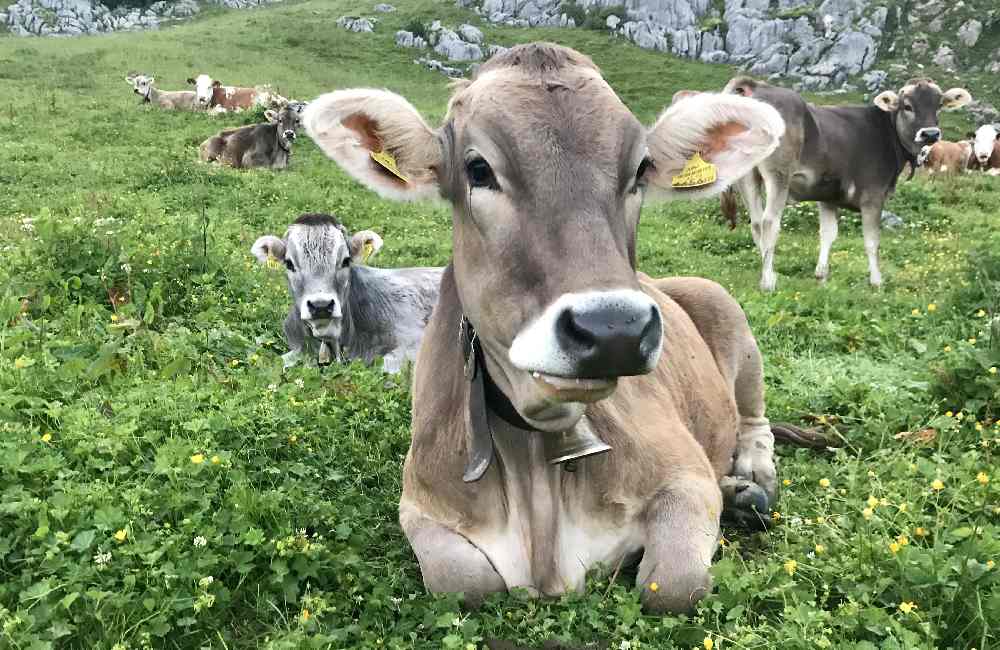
871,224
448,561
682,532
776,187
827,235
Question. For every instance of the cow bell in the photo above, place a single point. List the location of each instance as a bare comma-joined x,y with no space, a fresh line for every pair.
567,446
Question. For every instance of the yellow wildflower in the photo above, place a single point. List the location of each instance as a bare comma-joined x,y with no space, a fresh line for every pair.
216,460
114,318
791,566
907,607
972,341
993,370
894,547
947,348
22,362
306,615
867,513
920,531
775,516
708,644
949,414
980,313
979,426
903,540
872,502
824,482
982,478
903,507
932,307
786,482
883,502
654,586
198,459
121,535
46,437
820,520
990,564
937,485
915,312
820,549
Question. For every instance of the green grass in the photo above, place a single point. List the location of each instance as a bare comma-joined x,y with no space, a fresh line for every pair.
137,338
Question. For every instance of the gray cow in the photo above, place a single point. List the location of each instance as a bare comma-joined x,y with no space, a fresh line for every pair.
841,156
178,100
342,309
258,145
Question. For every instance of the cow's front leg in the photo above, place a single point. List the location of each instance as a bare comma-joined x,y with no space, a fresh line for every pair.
448,561
871,225
682,532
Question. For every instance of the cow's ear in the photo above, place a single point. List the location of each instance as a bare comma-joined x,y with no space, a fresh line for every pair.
972,134
704,143
216,84
271,115
955,98
380,139
887,100
191,81
268,248
683,94
364,245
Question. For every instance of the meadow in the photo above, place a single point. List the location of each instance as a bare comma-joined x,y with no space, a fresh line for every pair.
163,484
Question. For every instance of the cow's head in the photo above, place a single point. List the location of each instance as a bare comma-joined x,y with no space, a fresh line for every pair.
141,83
916,109
983,140
288,121
204,87
546,170
317,253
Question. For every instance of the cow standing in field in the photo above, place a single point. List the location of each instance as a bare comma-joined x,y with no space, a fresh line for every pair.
841,156
181,100
258,145
986,149
341,309
945,158
215,97
545,334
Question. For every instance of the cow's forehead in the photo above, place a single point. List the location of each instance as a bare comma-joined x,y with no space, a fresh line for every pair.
923,91
986,131
316,245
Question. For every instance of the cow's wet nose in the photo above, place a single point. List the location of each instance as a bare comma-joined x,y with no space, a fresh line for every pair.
610,340
319,308
289,135
928,135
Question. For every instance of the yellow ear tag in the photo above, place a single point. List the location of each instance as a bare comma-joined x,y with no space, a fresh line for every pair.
272,263
369,249
696,173
386,159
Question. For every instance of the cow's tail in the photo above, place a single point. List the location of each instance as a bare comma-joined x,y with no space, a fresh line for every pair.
792,435
730,205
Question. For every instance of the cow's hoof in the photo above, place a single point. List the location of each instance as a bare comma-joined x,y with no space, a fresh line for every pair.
745,503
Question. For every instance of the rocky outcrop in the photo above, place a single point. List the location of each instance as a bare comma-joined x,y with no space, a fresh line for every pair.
78,17
358,24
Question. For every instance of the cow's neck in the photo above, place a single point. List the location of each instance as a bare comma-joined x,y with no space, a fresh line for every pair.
900,154
367,313
152,95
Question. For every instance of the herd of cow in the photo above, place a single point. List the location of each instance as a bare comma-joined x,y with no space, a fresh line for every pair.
569,411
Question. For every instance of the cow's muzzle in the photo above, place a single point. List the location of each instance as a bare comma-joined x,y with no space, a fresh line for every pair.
289,135
928,135
583,342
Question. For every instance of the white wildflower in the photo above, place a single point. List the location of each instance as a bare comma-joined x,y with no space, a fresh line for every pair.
300,383
200,541
205,582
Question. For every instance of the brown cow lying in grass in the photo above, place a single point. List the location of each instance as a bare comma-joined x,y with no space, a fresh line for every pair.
258,145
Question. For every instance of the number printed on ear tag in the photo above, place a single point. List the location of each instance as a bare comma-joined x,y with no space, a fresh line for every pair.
696,173
386,159
369,249
272,263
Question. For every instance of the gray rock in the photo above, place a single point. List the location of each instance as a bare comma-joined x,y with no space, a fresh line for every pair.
470,34
409,39
383,8
612,22
944,57
875,79
453,48
891,220
357,24
493,50
969,32
434,64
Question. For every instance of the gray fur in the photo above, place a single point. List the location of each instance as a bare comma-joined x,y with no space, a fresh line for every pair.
258,145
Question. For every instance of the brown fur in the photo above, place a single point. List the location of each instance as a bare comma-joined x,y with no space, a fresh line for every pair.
948,158
232,98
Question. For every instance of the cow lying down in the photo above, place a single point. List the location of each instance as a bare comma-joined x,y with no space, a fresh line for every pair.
258,145
342,309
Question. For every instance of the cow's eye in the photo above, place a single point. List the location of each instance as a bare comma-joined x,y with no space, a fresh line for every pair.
640,174
289,265
345,263
908,108
480,174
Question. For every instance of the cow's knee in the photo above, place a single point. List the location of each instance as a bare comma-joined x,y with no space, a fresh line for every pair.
679,594
449,562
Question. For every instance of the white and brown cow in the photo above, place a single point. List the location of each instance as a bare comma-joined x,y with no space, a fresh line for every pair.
214,96
986,149
946,158
177,100
545,335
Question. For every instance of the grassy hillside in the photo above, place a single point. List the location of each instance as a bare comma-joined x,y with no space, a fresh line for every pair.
164,485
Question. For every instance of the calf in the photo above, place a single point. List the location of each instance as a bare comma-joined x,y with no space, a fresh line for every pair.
841,156
946,158
213,96
986,146
547,346
341,309
181,100
257,145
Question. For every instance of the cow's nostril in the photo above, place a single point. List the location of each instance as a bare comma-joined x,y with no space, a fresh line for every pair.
610,341
320,308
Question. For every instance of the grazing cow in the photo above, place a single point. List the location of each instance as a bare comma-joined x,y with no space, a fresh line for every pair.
181,100
342,309
257,145
946,158
213,96
841,156
545,344
986,147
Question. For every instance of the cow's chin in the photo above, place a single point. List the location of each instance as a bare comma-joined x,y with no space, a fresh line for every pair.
553,404
325,329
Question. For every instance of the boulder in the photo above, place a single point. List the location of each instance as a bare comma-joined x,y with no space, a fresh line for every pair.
470,34
453,48
357,24
409,39
384,8
969,32
944,57
612,22
875,79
